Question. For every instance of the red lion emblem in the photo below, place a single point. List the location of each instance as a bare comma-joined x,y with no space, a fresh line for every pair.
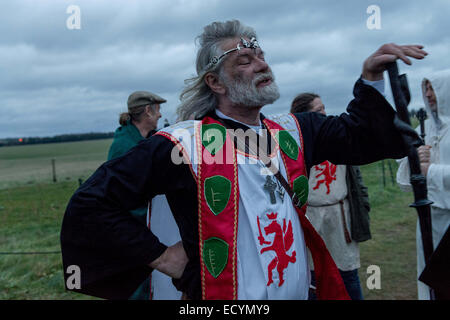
281,244
328,171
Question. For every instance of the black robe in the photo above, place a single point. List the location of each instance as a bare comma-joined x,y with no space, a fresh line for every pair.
113,250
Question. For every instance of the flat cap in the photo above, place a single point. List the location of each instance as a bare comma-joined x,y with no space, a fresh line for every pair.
140,98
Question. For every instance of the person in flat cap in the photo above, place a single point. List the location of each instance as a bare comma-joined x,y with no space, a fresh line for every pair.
138,123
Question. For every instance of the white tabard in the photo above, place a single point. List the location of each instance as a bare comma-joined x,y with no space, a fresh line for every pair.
254,269
327,186
163,225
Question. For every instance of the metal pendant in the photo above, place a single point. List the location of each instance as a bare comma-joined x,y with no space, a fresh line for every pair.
271,186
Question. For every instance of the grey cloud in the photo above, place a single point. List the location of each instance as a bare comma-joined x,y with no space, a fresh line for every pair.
56,80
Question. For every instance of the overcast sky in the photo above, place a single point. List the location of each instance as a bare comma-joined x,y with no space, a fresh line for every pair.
56,80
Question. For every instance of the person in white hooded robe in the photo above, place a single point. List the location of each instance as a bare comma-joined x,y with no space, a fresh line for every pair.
435,164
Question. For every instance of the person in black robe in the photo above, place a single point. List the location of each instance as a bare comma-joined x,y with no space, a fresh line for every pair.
115,253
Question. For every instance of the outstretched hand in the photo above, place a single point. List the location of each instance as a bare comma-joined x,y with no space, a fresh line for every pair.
375,64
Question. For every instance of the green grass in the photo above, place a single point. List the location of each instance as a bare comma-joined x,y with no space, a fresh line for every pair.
393,246
28,164
31,216
31,211
30,221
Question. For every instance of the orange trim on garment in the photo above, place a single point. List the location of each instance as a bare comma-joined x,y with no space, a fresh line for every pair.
199,198
299,130
273,134
330,285
181,148
224,225
301,140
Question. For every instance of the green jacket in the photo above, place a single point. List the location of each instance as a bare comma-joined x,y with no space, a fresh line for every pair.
125,138
358,199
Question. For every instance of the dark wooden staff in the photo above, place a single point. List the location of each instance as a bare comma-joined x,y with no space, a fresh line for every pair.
402,97
421,116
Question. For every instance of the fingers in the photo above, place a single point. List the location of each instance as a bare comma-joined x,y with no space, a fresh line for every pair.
424,168
375,64
414,51
424,148
403,52
424,153
400,52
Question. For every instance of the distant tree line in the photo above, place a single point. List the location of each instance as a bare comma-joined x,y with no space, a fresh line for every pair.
58,138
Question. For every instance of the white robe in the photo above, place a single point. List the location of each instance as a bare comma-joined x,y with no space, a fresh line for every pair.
324,213
254,205
163,225
437,135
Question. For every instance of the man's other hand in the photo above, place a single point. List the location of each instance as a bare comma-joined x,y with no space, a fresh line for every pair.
376,63
424,153
172,262
424,157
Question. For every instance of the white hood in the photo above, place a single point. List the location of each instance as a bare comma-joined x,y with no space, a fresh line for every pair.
441,84
438,123
437,135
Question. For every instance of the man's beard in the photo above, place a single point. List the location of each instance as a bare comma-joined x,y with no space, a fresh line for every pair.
244,92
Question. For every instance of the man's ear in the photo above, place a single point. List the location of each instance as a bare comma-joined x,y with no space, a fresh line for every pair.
212,80
149,110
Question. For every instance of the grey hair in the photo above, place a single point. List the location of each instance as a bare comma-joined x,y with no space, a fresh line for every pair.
197,98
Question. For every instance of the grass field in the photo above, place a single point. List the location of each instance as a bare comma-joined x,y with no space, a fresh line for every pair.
32,207
28,164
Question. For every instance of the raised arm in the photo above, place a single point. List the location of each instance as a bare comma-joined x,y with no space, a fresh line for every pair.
366,132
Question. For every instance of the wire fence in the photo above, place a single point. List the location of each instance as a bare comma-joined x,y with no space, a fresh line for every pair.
30,252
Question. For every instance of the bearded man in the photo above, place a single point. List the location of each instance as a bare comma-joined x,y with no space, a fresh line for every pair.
240,211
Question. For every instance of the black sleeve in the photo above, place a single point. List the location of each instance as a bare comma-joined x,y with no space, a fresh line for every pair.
111,247
365,134
364,191
435,273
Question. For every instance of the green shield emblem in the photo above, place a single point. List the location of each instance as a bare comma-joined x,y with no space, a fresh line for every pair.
217,193
215,255
287,144
213,137
301,189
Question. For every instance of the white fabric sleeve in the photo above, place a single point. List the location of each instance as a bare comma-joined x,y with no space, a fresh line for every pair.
403,177
379,85
438,178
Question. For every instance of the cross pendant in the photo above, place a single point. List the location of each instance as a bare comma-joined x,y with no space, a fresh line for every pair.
270,186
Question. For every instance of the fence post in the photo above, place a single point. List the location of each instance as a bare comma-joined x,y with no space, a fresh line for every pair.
382,172
54,170
390,171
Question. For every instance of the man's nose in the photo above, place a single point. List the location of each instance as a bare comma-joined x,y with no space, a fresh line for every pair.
261,65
